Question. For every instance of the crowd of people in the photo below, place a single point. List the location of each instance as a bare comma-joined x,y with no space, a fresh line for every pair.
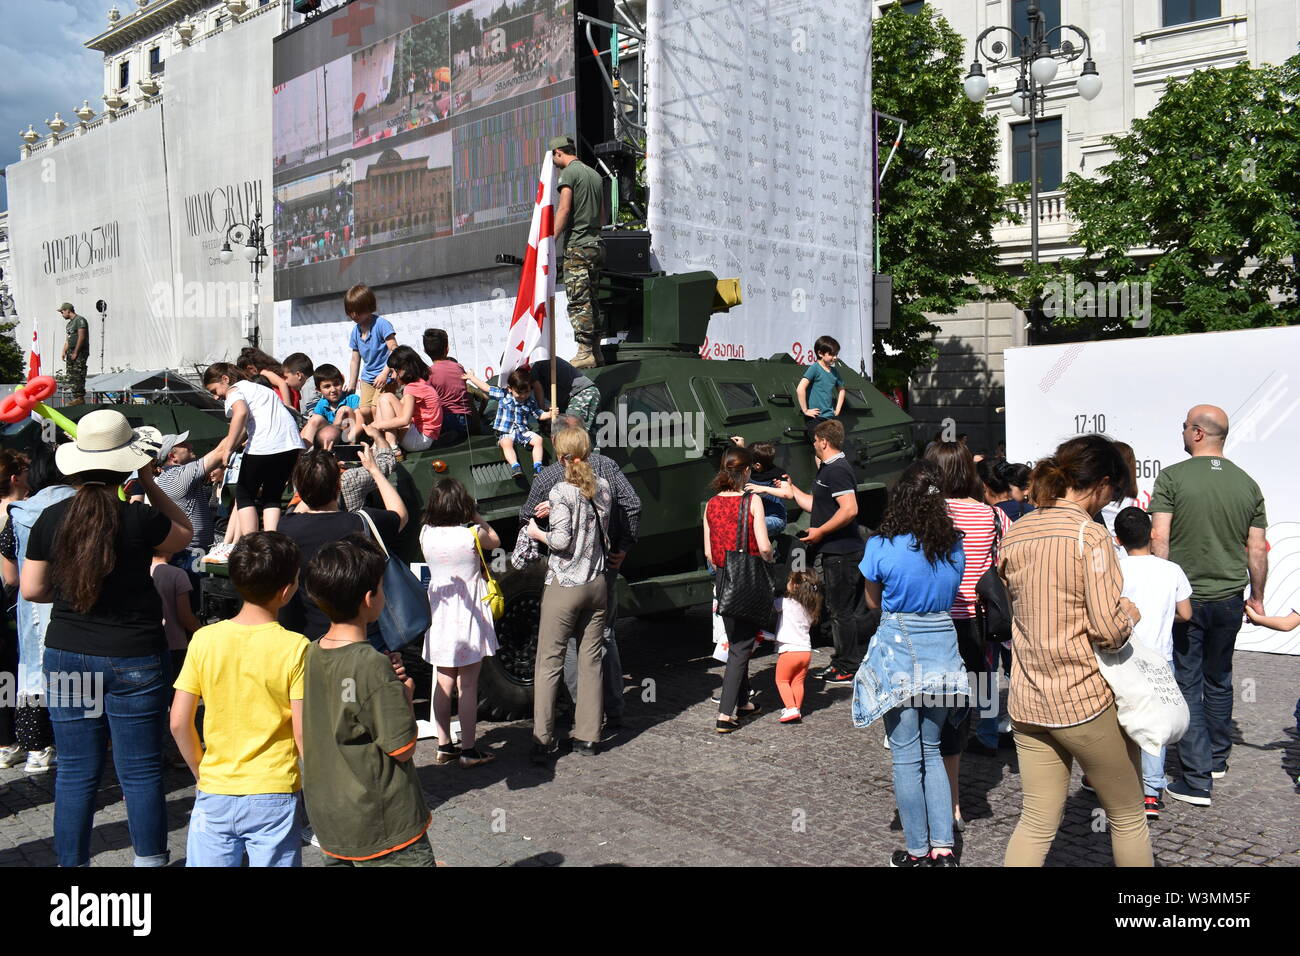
1084,570
298,707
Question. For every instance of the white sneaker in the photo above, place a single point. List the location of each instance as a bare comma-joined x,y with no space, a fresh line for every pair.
40,761
308,836
220,554
12,756
886,741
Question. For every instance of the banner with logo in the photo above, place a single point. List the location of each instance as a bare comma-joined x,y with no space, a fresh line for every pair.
88,221
758,162
217,102
1140,390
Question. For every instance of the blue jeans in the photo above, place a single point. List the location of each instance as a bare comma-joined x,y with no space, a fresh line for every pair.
775,524
1154,780
91,699
1203,650
264,825
920,782
987,728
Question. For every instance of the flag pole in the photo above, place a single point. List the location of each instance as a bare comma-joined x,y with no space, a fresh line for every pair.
550,310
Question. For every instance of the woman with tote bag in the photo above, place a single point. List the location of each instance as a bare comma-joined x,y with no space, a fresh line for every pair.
1065,586
725,517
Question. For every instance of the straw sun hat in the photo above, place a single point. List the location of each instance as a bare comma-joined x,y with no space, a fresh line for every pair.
107,442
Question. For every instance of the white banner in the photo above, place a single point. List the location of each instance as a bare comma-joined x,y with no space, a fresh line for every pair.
474,309
758,163
88,221
217,107
1139,390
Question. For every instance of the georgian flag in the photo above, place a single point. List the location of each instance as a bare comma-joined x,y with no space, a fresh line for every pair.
34,360
530,326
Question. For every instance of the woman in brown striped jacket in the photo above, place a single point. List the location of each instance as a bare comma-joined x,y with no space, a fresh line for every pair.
1064,582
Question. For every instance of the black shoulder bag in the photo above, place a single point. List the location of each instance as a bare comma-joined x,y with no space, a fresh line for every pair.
993,604
744,583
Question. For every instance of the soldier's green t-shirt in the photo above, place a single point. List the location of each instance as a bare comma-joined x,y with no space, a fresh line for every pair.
1213,504
361,801
75,324
584,183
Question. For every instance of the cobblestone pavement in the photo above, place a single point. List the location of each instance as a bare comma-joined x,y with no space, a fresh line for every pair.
667,790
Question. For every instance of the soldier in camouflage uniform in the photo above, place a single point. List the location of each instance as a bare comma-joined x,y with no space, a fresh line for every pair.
76,350
579,217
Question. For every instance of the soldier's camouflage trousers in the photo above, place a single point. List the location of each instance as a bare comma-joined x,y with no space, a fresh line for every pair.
76,374
582,265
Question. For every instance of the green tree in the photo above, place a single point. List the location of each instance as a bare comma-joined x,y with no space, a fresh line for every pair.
941,197
1211,179
13,362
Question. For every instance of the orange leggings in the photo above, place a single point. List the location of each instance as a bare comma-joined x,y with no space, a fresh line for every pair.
791,669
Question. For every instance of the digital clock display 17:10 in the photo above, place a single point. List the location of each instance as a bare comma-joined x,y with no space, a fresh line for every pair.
1087,424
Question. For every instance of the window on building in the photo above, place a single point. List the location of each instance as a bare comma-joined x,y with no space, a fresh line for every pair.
1051,11
155,60
1050,163
911,6
124,74
1189,11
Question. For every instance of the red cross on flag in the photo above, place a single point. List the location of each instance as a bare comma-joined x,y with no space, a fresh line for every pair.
532,333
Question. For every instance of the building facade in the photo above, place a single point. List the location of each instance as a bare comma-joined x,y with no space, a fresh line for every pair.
1139,47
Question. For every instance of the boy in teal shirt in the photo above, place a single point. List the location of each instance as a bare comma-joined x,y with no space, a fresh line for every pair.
817,389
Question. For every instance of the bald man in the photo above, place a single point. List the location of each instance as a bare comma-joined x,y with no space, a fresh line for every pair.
1208,518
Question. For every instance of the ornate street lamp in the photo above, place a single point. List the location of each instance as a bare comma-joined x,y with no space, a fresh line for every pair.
251,239
1038,66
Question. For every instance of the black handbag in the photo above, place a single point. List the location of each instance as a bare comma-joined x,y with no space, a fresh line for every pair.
993,607
744,583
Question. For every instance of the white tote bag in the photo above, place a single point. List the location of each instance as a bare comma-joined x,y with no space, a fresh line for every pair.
1150,706
1148,702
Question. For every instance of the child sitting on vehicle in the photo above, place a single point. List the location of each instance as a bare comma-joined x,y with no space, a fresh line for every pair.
516,407
333,407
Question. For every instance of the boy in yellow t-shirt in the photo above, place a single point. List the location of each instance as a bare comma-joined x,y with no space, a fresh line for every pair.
249,673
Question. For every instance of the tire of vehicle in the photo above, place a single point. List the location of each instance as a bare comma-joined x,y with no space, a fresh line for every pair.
505,682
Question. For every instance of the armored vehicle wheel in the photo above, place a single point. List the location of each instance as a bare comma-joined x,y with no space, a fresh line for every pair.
505,684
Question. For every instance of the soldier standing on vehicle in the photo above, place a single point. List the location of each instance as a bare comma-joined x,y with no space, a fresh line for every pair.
579,215
76,350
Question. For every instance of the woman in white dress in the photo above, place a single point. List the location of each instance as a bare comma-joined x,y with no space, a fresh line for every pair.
462,633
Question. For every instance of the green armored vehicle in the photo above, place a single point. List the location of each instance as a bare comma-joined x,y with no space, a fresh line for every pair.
667,415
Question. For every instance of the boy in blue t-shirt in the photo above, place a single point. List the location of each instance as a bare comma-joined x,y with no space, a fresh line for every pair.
373,338
817,389
333,407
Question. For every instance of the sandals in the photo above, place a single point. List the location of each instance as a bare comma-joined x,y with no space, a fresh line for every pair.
448,753
724,726
749,713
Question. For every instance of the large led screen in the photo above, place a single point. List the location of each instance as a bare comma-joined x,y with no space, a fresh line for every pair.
408,136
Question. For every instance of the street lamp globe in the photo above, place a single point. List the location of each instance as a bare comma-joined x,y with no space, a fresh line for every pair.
976,83
250,252
1044,69
1020,99
1089,81
226,254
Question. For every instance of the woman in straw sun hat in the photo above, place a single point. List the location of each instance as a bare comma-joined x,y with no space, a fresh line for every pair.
104,667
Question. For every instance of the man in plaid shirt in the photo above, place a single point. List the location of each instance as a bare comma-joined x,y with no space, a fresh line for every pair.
623,534
516,408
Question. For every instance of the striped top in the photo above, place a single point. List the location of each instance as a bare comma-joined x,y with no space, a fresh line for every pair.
1064,583
975,521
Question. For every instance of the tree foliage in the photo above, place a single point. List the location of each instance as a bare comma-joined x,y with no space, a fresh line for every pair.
941,196
13,362
1210,180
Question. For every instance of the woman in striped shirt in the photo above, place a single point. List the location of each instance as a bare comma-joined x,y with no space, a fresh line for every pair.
979,523
1064,582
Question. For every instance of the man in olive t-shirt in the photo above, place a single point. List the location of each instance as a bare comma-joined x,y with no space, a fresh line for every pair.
579,215
1208,518
76,350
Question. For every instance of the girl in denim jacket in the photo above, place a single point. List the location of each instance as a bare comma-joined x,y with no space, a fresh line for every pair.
913,675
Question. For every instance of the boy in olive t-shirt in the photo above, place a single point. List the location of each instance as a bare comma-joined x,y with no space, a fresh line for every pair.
364,799
249,673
